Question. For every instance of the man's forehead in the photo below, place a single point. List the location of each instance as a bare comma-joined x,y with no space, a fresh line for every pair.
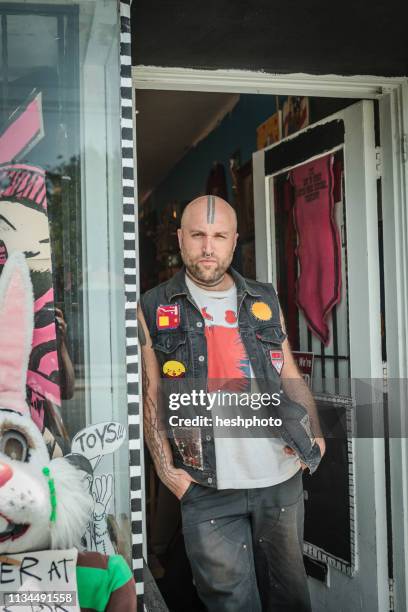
209,211
209,228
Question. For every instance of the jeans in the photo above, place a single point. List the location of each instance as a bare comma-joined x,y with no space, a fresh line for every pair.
245,547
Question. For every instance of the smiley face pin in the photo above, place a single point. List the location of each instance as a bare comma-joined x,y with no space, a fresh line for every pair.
174,369
261,311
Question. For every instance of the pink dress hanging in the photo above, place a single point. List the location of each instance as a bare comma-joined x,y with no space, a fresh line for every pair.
319,249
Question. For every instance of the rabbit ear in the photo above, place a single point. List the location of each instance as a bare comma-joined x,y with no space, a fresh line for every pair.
16,332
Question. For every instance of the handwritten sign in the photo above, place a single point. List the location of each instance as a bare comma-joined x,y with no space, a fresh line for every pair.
304,362
42,572
97,440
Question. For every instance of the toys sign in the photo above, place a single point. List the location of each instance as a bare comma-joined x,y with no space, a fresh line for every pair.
97,440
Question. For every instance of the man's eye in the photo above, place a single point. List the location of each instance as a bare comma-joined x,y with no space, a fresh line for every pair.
14,445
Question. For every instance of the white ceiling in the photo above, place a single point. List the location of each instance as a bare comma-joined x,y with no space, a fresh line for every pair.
168,124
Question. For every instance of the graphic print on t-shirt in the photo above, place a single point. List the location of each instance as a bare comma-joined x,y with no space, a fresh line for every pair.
228,363
227,358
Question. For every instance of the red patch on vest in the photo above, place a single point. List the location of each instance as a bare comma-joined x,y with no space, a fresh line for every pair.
168,317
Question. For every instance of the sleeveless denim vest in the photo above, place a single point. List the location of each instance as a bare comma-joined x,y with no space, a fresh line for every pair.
180,337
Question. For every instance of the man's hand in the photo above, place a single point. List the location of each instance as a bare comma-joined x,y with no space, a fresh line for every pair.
178,481
319,441
322,445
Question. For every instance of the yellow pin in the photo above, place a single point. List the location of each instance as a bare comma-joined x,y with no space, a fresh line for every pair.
174,369
261,311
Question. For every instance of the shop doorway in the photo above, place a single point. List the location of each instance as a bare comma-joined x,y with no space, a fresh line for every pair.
265,267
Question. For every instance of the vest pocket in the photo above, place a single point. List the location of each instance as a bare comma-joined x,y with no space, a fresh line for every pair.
171,352
168,343
272,334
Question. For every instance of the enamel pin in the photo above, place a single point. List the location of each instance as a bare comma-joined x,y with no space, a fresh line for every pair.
261,311
277,360
174,369
168,317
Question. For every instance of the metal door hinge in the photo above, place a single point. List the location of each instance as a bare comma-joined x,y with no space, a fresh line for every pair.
378,162
404,148
385,375
391,587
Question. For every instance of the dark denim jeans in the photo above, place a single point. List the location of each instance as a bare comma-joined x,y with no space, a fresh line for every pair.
245,547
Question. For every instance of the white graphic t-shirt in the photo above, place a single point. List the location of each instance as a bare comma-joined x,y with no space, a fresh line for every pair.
242,463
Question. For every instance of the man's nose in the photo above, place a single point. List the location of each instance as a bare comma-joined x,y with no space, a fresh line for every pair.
208,247
5,473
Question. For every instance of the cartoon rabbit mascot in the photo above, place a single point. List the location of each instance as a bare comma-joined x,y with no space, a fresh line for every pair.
44,505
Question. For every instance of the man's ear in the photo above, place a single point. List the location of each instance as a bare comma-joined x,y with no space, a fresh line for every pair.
236,240
180,237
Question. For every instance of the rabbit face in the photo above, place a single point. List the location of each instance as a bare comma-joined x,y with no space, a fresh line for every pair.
25,506
26,494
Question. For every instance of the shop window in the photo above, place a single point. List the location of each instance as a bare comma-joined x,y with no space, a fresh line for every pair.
60,203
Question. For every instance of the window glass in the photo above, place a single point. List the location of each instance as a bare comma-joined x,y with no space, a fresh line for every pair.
60,203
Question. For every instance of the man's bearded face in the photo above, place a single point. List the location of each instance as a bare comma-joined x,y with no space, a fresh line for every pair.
207,254
207,239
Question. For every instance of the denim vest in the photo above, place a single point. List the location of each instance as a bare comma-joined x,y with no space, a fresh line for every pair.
183,341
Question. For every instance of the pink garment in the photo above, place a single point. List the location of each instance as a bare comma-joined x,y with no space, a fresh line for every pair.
319,249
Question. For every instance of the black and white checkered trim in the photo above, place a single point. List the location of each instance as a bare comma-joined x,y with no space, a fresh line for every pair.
131,289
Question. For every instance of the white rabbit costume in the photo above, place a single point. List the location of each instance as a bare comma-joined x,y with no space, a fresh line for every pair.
43,504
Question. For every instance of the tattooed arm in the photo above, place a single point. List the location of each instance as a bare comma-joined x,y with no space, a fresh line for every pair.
298,391
176,480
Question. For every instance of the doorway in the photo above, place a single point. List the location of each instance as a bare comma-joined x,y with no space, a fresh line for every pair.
239,182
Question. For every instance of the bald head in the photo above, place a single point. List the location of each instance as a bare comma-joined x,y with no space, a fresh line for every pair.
207,239
210,209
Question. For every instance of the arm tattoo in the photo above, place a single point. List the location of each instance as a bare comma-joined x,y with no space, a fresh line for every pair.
141,333
154,431
298,391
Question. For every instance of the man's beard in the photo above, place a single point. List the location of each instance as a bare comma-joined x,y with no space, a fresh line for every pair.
209,276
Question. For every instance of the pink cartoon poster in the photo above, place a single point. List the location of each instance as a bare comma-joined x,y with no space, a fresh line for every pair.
24,227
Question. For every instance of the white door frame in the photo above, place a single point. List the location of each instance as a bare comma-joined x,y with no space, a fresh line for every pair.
392,94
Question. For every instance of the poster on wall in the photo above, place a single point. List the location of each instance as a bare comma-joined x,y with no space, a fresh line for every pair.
270,131
24,227
295,114
305,361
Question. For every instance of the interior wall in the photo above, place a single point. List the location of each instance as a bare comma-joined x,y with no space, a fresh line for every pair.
237,132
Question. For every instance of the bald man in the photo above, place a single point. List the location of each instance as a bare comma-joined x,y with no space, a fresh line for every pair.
241,497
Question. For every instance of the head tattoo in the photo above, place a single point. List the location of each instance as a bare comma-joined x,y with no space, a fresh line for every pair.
210,209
